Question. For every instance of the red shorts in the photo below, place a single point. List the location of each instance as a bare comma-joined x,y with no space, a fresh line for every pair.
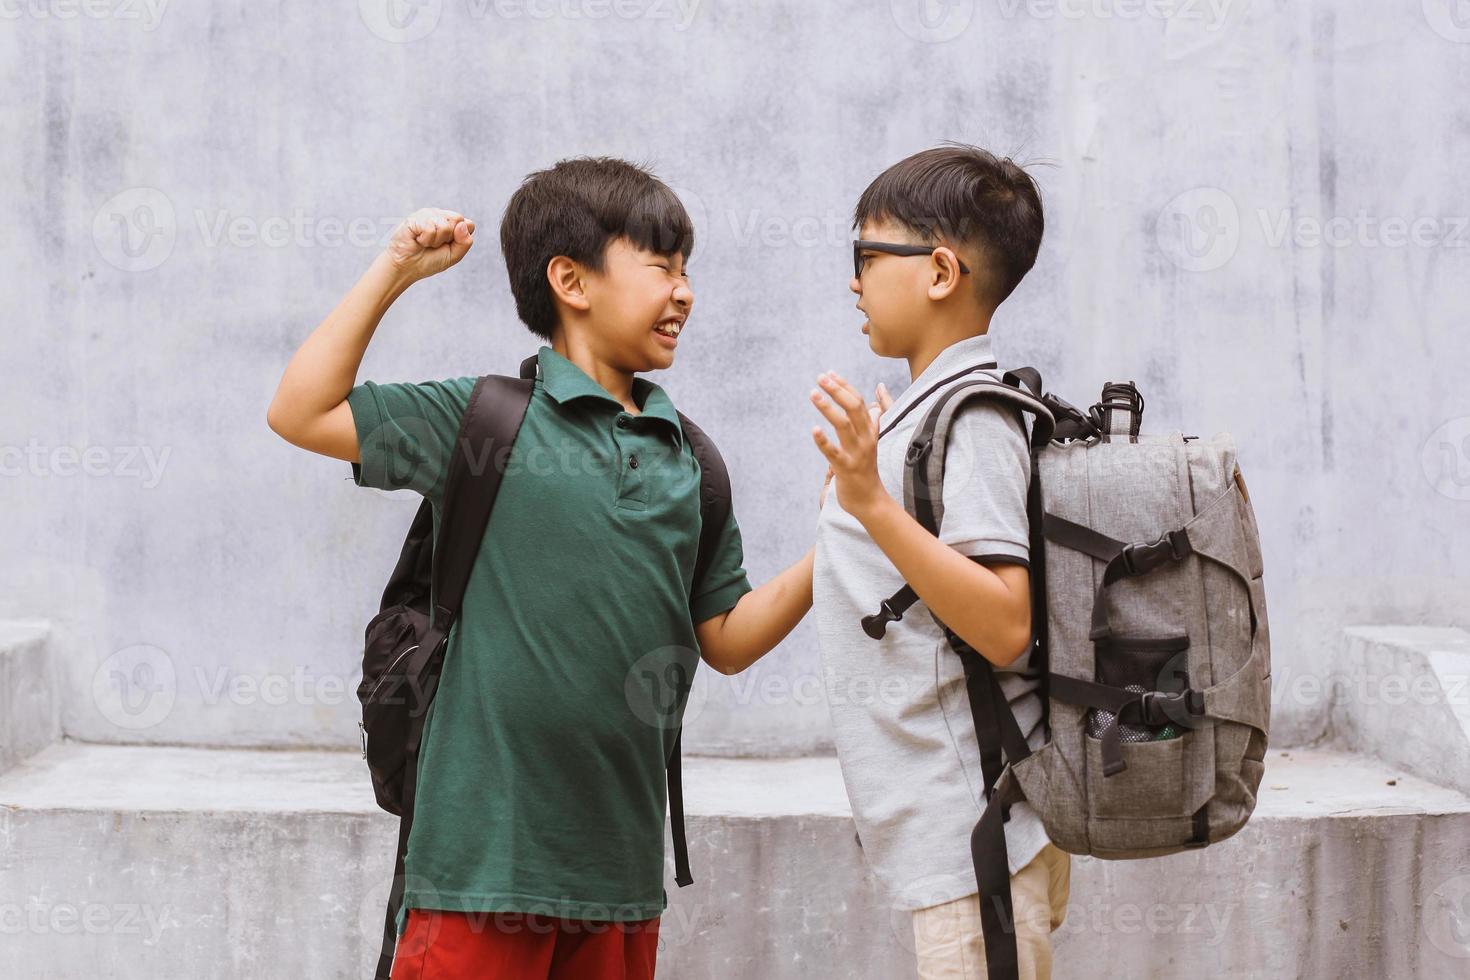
439,945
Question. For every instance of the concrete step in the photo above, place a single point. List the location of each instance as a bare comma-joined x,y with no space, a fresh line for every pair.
132,862
29,717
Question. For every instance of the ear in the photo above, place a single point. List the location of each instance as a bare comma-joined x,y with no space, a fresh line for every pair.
567,286
944,273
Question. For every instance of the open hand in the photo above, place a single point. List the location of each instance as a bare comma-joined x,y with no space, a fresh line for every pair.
853,462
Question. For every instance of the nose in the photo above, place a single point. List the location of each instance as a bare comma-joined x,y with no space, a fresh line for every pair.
856,285
684,295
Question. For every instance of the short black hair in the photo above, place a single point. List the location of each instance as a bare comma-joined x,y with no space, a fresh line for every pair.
962,194
576,208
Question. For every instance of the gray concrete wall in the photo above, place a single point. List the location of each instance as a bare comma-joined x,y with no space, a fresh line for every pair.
1256,211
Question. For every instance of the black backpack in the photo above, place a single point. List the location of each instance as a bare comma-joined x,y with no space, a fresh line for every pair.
404,647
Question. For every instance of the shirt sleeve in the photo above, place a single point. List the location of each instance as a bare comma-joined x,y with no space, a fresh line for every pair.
724,580
987,470
406,432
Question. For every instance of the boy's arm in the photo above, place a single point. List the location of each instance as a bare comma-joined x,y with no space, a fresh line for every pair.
990,608
733,640
310,407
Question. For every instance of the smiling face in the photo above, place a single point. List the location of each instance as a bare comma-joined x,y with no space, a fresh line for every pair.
638,304
893,291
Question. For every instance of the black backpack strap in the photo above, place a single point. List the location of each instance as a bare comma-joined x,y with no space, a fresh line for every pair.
488,429
714,493
714,514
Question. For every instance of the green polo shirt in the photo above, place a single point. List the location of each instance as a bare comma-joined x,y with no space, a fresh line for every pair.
541,777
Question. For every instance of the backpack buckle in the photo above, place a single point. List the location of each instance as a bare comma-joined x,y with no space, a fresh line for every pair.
1171,546
1164,707
877,624
918,449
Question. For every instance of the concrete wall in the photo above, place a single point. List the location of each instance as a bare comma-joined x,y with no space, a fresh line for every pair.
1255,210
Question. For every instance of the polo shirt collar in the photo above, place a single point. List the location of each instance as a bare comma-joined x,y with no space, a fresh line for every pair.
970,352
565,381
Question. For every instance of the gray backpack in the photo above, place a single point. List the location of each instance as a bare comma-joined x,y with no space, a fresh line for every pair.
1151,643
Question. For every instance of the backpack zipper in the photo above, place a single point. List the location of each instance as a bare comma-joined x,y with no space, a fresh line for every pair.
388,670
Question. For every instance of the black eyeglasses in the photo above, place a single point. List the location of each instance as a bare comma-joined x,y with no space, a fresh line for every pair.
890,248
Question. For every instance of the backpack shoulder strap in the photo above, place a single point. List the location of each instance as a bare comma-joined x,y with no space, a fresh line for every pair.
714,493
493,417
714,513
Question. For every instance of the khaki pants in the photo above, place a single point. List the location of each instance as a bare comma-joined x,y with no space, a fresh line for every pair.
949,941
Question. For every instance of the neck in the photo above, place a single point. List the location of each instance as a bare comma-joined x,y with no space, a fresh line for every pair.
939,336
619,383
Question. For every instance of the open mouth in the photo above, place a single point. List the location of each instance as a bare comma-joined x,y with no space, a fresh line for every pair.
671,327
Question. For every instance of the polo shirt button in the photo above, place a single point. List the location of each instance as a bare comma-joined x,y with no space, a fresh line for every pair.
633,462
622,421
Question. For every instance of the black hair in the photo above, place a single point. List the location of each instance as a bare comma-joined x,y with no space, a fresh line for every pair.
576,208
963,195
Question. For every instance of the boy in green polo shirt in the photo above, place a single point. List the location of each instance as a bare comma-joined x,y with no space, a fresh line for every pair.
537,844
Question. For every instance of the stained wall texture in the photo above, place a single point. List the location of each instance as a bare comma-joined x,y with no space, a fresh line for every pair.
1257,211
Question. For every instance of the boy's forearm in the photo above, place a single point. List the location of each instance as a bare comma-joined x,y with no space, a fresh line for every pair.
762,618
324,369
966,596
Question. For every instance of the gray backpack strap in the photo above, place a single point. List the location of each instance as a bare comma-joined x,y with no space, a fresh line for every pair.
923,478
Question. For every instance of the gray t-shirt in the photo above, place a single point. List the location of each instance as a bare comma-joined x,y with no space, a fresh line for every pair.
900,714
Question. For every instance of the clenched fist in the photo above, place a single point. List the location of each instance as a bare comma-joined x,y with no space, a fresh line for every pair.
429,241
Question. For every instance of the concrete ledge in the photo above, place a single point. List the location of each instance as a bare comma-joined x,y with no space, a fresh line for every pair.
137,861
1402,694
29,719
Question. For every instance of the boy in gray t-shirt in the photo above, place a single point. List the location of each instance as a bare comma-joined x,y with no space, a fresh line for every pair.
944,238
